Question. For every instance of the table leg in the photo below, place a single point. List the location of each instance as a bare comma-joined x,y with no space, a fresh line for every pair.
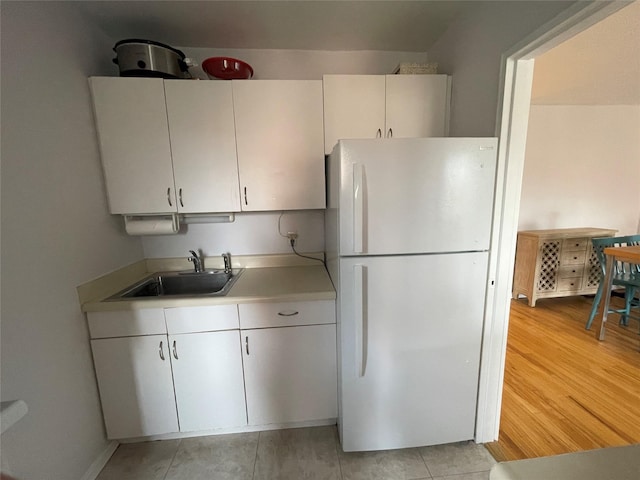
604,304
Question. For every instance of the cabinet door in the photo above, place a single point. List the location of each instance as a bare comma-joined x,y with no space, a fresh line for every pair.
290,374
207,373
279,138
133,135
354,107
416,106
136,387
203,145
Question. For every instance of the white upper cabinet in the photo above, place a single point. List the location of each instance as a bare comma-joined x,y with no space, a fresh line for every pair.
376,106
147,138
279,137
203,145
354,107
417,106
133,134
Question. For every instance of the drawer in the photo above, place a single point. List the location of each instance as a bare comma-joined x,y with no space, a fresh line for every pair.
569,284
573,258
571,271
126,323
201,319
575,244
265,315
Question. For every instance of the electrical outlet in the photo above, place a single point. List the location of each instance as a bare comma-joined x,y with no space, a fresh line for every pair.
292,235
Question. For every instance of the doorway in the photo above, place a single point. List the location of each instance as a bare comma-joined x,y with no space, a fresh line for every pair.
513,114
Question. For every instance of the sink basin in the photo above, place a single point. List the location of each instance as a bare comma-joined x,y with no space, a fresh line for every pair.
170,284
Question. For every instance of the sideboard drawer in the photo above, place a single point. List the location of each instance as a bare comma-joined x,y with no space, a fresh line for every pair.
575,244
569,284
573,258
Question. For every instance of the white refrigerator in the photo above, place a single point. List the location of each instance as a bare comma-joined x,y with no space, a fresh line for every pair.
408,228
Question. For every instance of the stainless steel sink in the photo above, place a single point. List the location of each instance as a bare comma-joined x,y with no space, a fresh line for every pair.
213,283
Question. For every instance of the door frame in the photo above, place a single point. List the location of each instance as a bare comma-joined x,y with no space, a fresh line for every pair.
511,129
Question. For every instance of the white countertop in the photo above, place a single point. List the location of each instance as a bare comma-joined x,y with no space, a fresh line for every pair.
265,284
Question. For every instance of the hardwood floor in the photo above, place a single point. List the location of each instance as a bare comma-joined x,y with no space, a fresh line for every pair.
563,390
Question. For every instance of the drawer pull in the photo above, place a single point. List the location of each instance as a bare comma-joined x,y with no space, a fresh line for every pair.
175,350
288,314
161,352
246,344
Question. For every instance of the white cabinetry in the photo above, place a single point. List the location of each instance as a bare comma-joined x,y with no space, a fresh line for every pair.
133,134
181,369
150,383
203,145
207,375
290,371
279,135
136,389
375,106
207,366
151,130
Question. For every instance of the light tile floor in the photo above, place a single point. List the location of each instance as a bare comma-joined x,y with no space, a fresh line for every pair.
295,454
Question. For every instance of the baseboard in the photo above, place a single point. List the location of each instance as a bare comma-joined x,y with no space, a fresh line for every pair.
99,463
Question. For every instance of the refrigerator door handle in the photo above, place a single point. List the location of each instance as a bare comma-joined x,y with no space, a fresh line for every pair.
358,208
360,296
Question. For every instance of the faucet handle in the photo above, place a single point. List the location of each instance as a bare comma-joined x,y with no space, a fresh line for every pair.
226,257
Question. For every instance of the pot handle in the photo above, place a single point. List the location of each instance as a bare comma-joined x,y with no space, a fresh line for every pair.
115,60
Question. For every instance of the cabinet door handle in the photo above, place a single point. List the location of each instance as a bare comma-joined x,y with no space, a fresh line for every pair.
169,196
246,344
288,314
379,133
161,351
175,351
245,196
180,195
390,133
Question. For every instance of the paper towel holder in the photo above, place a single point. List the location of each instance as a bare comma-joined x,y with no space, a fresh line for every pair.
208,218
152,224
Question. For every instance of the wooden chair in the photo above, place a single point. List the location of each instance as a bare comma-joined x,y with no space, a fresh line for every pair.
624,275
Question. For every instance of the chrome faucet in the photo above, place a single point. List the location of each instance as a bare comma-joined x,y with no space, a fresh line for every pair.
227,262
197,261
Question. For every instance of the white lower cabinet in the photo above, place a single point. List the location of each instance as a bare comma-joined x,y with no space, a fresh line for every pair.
136,388
290,374
207,375
171,370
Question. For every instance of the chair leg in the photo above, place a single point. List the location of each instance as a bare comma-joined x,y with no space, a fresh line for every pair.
628,299
594,307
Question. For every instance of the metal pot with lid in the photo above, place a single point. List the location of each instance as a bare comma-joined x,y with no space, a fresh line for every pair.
147,58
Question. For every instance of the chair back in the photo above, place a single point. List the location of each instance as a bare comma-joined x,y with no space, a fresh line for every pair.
599,244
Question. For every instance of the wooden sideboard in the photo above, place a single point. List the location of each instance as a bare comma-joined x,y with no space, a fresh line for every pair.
557,263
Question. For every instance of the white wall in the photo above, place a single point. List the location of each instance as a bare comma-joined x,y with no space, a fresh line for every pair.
471,51
308,64
582,168
56,234
249,234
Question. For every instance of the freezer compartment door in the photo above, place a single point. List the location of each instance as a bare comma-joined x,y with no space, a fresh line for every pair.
415,195
410,334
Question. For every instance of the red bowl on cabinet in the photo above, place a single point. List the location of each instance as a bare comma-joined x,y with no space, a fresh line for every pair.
227,68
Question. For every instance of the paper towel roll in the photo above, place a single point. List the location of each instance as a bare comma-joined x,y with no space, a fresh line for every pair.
152,225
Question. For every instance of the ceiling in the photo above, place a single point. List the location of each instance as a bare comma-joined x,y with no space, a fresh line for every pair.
408,26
